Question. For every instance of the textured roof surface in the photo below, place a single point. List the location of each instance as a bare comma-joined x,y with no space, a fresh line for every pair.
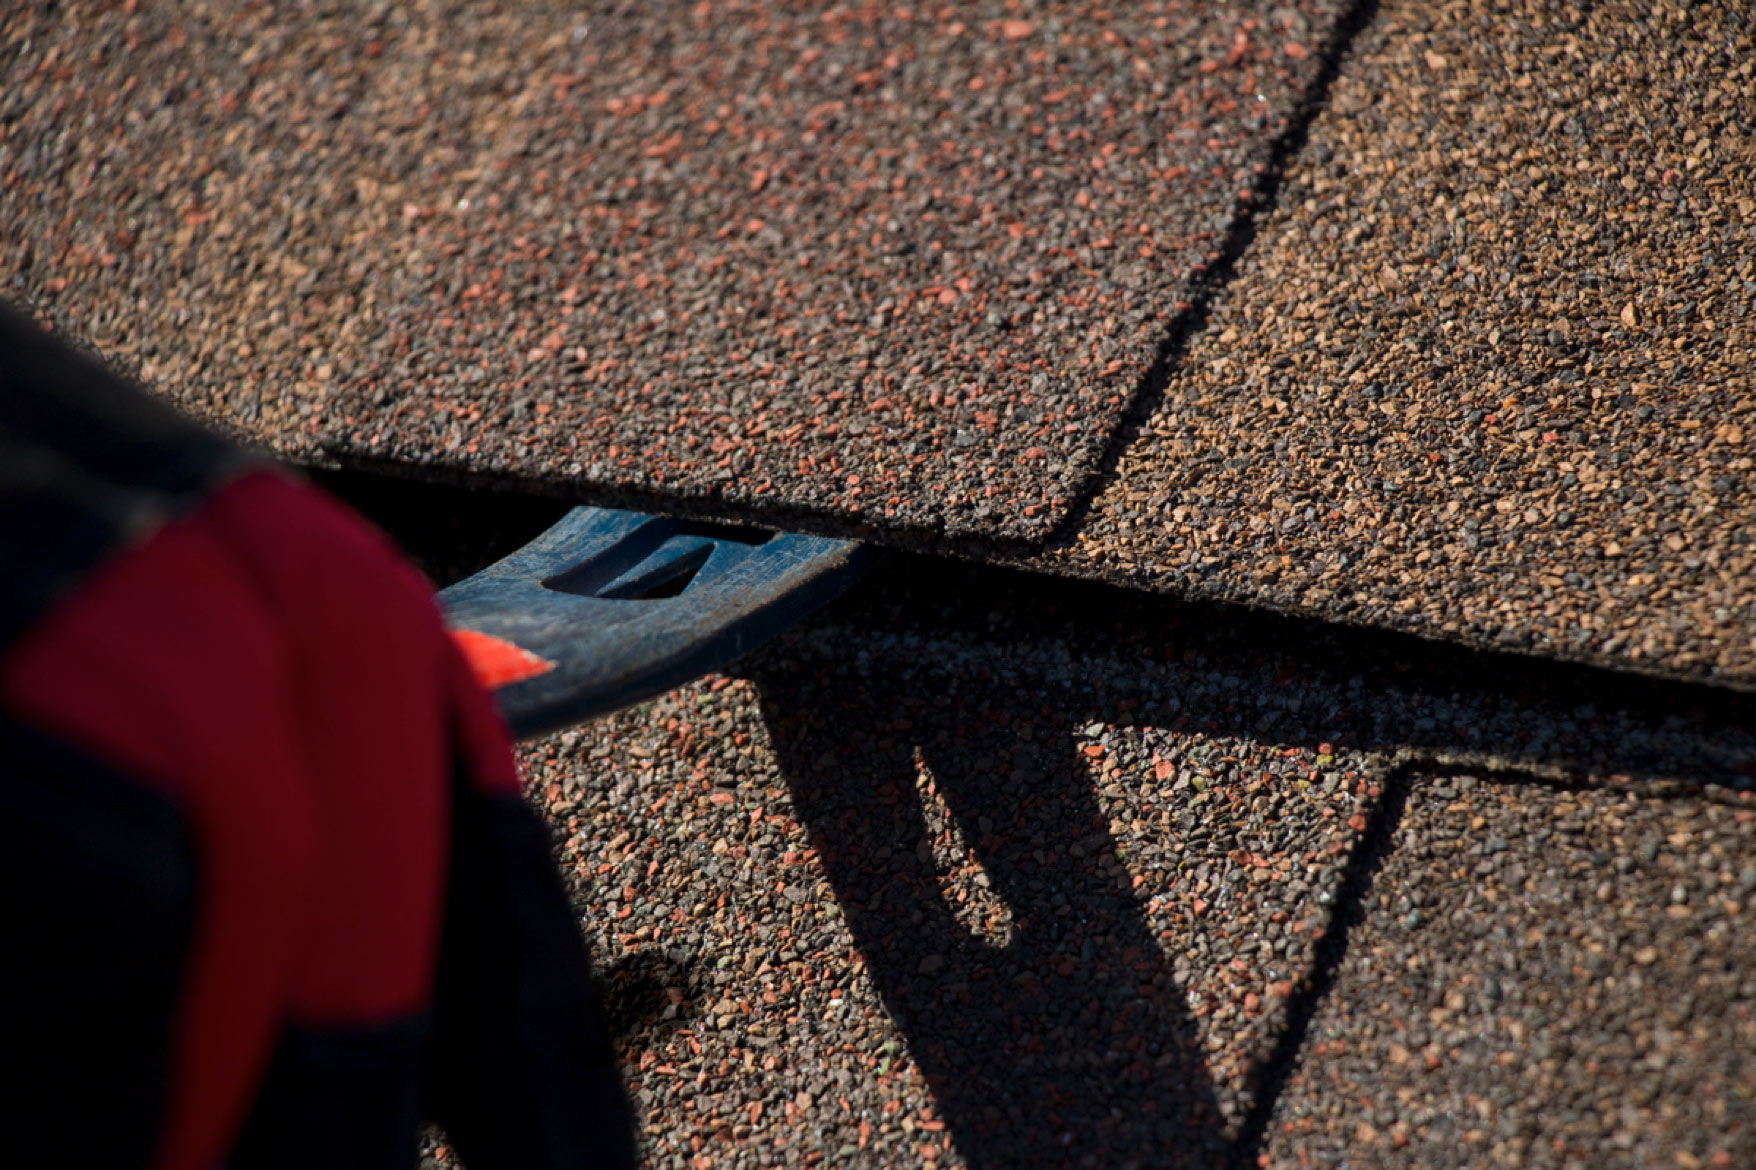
213,193
1052,875
906,264
1489,368
977,868
1483,371
1504,963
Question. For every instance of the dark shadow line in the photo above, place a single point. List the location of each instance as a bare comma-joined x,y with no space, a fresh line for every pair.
709,504
1368,856
1206,288
1108,618
371,484
451,532
1680,788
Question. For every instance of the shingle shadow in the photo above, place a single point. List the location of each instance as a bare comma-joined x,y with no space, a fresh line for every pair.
1057,1038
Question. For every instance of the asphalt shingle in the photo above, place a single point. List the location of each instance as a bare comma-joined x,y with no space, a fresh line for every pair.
1544,977
894,265
1488,371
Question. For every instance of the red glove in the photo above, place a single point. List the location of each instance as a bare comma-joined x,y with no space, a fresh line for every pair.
277,888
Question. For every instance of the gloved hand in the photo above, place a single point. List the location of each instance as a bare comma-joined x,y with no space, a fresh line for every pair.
260,831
